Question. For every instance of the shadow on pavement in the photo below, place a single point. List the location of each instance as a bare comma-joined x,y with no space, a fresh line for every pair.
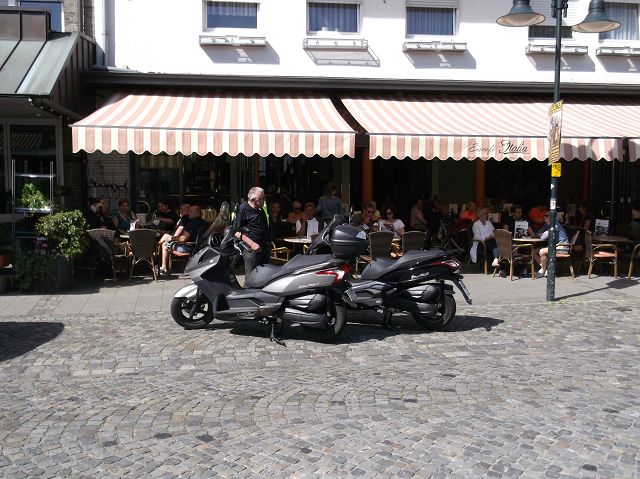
17,339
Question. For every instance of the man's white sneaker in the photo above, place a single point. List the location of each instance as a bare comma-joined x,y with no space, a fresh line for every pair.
495,262
540,271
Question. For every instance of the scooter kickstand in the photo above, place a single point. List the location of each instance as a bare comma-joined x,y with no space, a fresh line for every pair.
387,323
277,339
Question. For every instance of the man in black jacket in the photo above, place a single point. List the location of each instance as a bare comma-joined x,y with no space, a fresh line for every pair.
252,218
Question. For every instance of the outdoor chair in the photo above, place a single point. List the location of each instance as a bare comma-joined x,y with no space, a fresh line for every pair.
379,247
570,255
635,255
513,254
413,240
280,254
142,243
603,252
102,249
482,250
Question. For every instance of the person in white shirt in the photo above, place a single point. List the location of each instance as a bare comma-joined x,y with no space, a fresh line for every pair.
307,225
483,230
391,223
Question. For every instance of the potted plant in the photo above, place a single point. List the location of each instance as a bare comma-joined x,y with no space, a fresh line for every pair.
61,237
5,246
33,199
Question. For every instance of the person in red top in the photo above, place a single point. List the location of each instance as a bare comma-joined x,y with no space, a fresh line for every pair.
469,212
536,215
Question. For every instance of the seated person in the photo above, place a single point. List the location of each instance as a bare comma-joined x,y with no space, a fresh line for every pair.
308,225
509,222
296,213
188,231
123,218
541,255
275,213
417,220
95,215
536,215
483,230
391,223
185,210
164,219
469,212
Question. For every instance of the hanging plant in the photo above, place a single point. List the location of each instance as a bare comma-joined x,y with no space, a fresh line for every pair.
32,198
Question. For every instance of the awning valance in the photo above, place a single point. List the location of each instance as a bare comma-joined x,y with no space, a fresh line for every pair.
218,123
490,127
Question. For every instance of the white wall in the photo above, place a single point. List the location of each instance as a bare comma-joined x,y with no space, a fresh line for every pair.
163,36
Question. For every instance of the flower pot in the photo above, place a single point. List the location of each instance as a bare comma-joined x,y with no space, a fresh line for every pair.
64,274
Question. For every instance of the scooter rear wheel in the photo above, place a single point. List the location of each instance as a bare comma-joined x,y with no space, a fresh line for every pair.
181,308
439,321
335,327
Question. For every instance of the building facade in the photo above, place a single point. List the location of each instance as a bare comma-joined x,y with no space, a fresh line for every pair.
350,51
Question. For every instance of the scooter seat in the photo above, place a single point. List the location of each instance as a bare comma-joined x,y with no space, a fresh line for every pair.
262,275
381,266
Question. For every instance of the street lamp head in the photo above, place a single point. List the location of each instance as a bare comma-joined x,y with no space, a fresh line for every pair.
520,15
596,20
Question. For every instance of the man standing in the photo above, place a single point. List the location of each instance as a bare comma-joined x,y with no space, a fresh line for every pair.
253,219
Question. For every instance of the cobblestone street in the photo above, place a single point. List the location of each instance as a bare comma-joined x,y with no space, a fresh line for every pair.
514,390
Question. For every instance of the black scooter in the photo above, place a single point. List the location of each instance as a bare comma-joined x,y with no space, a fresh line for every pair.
418,283
308,290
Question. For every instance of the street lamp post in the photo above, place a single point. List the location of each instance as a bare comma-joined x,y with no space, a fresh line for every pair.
596,21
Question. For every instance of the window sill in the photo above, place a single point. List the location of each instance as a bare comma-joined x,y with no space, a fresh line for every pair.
618,51
352,44
232,41
549,48
434,46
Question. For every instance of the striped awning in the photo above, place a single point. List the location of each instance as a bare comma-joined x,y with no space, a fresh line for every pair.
218,123
485,127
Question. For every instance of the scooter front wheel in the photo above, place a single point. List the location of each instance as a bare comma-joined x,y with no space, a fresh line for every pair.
334,328
181,310
439,321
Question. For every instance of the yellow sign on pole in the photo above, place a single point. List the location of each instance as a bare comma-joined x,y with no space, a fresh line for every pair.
555,131
556,170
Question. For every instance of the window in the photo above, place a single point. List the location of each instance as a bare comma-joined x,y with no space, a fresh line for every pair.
627,15
545,31
334,17
430,21
55,8
232,15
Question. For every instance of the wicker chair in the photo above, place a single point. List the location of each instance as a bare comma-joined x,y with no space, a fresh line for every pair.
143,244
569,255
103,249
635,255
413,240
280,254
507,251
379,247
605,252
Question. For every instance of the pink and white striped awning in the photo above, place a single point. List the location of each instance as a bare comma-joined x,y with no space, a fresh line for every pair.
233,123
484,127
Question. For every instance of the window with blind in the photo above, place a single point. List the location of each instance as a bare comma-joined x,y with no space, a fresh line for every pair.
544,31
627,15
232,15
430,20
333,17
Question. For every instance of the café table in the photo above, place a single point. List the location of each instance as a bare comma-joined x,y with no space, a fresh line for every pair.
529,240
612,239
297,240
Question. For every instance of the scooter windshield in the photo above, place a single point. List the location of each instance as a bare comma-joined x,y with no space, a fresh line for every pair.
323,237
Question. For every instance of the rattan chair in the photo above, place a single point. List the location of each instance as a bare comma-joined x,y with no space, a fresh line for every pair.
635,255
569,255
604,252
102,249
513,254
280,254
379,247
413,240
142,243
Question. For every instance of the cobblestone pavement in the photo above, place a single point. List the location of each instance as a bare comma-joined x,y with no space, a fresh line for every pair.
518,390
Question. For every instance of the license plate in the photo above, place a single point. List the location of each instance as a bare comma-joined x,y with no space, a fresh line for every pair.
350,294
464,288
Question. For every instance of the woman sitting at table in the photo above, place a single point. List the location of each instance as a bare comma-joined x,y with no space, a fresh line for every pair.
469,212
390,223
308,225
541,255
296,212
123,218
